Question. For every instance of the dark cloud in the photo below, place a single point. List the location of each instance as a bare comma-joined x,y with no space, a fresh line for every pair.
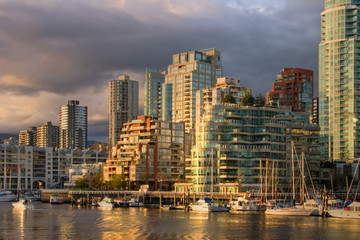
64,48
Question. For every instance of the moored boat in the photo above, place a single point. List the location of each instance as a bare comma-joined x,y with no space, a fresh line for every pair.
289,211
207,205
134,203
30,196
351,211
106,203
7,196
23,204
244,203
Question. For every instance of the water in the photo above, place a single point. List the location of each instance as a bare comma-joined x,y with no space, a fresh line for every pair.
67,222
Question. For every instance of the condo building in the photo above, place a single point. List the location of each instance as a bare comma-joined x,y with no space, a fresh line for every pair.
293,87
190,71
150,151
73,125
47,135
339,80
153,92
123,105
28,137
314,117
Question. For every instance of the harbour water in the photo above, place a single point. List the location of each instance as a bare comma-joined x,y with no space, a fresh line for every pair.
67,222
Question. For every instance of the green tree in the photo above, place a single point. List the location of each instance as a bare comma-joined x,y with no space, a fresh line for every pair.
98,182
260,100
82,182
248,100
117,182
229,99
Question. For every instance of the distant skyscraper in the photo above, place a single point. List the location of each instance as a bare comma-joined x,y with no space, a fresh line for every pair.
73,125
293,87
28,137
339,80
123,105
47,135
153,91
314,117
191,71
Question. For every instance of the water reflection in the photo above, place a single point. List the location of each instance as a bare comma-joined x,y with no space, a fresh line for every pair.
66,222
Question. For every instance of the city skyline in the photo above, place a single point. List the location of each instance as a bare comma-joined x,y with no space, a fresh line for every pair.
57,52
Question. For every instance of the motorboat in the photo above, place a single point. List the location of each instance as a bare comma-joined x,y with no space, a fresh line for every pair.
134,203
7,196
244,203
56,199
207,205
23,204
121,203
106,203
351,211
30,196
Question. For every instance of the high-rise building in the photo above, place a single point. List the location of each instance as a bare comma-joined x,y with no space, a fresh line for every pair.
215,95
73,125
293,87
153,92
191,71
28,137
339,80
314,117
123,105
47,135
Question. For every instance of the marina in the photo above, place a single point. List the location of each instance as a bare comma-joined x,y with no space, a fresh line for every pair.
65,221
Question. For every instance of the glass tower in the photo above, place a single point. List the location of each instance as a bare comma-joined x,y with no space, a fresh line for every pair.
191,71
153,86
339,80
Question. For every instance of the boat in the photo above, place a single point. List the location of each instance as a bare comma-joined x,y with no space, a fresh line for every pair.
23,204
7,196
30,196
351,211
55,199
106,203
134,203
207,205
315,205
244,203
121,203
294,209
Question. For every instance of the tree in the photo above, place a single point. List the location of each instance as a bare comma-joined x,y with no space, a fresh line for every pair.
117,182
98,182
260,100
248,100
82,182
229,99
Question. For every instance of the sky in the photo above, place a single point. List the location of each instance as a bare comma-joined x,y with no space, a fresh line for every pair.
52,51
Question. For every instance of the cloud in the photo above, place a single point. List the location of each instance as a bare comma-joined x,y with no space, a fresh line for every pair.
54,51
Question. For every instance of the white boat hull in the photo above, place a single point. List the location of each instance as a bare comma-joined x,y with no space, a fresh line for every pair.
341,213
289,211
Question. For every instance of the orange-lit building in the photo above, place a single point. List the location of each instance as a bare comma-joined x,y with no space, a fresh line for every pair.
293,87
150,151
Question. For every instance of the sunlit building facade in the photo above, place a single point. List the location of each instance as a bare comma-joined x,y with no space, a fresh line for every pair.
150,151
339,80
293,87
47,135
73,125
123,105
28,137
153,92
191,71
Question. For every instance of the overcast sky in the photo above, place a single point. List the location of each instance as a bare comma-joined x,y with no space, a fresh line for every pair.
52,51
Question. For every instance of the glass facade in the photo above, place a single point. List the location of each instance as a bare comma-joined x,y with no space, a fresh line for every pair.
153,92
189,72
339,80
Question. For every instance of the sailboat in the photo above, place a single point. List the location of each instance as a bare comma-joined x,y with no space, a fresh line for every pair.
293,210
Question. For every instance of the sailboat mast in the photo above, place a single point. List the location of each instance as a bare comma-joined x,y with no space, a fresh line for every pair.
261,187
293,168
